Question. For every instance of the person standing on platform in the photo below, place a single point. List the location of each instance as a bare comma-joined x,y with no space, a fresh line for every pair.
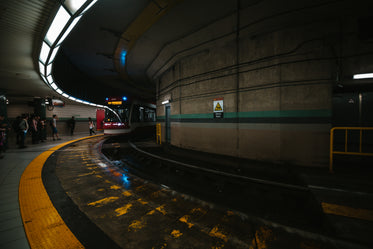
91,127
54,128
5,125
15,126
42,130
3,130
72,125
23,128
34,129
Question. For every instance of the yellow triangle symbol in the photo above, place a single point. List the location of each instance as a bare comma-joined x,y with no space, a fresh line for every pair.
218,107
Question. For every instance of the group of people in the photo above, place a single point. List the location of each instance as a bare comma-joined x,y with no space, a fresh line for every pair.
23,125
36,127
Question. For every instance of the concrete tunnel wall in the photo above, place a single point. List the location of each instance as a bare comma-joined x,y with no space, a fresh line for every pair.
276,74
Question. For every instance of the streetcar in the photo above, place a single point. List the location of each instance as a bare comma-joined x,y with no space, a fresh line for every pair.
126,116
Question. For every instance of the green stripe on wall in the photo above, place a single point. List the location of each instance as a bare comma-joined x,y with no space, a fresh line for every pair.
257,114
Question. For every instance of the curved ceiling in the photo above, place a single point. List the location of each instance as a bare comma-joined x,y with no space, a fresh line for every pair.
89,62
88,65
21,24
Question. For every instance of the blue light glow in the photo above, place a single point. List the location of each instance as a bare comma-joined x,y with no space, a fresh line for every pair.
124,98
125,181
123,57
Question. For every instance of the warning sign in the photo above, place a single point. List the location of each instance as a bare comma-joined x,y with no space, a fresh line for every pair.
218,105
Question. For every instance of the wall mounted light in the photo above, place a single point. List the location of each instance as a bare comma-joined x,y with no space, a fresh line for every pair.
363,76
165,102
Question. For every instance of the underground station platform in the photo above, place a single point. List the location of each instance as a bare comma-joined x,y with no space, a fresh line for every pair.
110,192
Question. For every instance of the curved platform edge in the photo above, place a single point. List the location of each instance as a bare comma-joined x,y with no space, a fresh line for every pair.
43,225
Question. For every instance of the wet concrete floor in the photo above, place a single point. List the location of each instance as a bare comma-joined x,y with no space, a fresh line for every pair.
131,212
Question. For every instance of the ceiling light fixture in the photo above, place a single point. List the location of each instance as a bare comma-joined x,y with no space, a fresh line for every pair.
68,15
59,22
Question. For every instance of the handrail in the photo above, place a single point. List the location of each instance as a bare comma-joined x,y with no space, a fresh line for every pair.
158,133
346,152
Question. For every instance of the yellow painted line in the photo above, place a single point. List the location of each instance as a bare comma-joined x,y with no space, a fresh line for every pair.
127,193
151,212
262,237
43,225
142,201
161,210
115,187
185,219
136,225
218,234
358,213
123,210
87,174
104,201
198,210
176,234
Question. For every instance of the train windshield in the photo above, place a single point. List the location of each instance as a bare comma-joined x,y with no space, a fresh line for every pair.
121,111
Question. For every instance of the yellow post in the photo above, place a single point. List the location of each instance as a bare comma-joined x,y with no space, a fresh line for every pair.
346,152
361,140
346,137
331,151
158,133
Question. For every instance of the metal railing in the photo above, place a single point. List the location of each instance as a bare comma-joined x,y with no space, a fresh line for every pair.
346,151
158,133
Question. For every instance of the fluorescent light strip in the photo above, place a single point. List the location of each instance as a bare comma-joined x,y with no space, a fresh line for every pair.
59,22
74,5
49,69
44,52
89,6
55,50
50,79
363,76
54,86
45,80
72,25
41,68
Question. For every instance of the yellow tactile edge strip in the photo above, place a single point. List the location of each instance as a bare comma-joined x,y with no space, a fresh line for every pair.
43,225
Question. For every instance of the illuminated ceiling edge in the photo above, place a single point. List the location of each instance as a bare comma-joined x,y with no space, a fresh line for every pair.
69,16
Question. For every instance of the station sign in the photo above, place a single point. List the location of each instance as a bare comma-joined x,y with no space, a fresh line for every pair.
115,100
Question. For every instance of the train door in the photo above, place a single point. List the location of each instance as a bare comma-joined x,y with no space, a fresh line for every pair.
100,117
168,123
